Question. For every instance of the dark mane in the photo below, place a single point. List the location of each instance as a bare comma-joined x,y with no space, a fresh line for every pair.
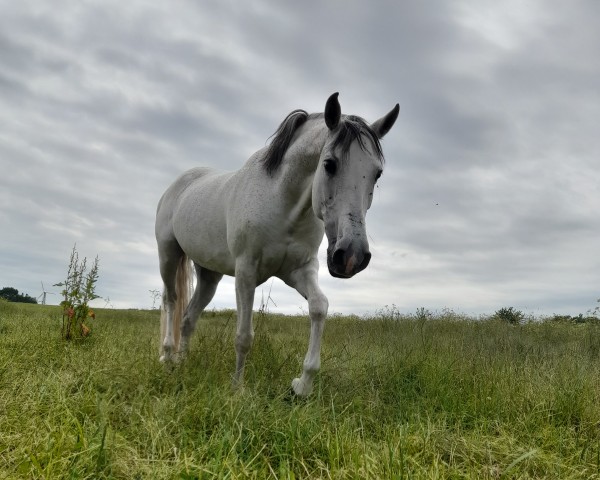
282,139
351,128
356,128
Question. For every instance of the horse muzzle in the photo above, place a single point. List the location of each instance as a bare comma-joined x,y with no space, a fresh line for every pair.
347,262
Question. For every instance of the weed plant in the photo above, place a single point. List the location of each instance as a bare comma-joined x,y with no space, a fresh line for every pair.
418,396
79,289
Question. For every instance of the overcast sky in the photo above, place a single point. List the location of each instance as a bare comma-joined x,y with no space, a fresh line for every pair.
491,193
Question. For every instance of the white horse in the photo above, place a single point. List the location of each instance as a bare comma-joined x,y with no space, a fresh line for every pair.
268,219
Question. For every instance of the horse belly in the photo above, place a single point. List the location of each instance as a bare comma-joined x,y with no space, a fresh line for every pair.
209,251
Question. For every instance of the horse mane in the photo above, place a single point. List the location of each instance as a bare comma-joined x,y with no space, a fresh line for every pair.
282,139
351,127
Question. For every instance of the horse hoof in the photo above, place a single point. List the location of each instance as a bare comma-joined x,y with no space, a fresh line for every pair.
167,359
300,388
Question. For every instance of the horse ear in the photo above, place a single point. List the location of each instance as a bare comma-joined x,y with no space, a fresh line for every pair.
333,111
384,124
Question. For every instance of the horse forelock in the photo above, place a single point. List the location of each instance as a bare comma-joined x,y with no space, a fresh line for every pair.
353,128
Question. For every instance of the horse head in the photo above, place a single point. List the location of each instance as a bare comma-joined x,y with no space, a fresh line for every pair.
350,164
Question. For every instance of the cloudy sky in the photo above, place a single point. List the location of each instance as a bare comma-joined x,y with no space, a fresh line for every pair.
491,193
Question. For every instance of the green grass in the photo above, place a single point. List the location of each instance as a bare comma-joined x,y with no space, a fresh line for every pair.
398,397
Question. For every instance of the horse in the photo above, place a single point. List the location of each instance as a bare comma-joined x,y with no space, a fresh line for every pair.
316,177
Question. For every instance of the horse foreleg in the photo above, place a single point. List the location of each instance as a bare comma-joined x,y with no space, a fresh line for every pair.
305,281
245,285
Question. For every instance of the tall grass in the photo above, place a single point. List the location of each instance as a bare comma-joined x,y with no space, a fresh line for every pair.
399,397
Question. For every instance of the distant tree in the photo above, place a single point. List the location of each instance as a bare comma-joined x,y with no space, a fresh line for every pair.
12,295
509,315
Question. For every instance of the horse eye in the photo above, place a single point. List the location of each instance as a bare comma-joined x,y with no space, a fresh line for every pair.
378,175
330,166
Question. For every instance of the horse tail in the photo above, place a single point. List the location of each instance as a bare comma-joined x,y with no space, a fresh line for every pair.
183,290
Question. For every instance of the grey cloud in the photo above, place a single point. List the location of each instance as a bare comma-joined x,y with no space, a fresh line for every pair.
489,195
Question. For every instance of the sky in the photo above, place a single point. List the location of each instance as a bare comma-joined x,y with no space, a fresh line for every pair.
490,196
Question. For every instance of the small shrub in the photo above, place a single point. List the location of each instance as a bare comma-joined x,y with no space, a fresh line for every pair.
509,315
423,314
79,290
584,319
560,318
595,313
389,312
577,319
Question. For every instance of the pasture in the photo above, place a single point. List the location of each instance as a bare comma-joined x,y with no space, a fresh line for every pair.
418,396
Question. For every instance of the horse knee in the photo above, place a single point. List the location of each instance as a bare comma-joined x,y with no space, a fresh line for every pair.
187,326
243,342
317,307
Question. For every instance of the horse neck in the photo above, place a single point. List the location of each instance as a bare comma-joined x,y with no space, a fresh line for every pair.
299,164
302,157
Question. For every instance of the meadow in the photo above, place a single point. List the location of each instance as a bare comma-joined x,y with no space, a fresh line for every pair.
399,396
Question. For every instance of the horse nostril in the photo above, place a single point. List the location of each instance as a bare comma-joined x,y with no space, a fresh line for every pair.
366,260
338,258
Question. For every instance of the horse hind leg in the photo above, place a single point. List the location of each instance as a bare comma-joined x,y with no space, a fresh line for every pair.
207,282
167,337
176,274
167,334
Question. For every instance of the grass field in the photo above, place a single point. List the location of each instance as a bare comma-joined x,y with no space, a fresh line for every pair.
398,397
